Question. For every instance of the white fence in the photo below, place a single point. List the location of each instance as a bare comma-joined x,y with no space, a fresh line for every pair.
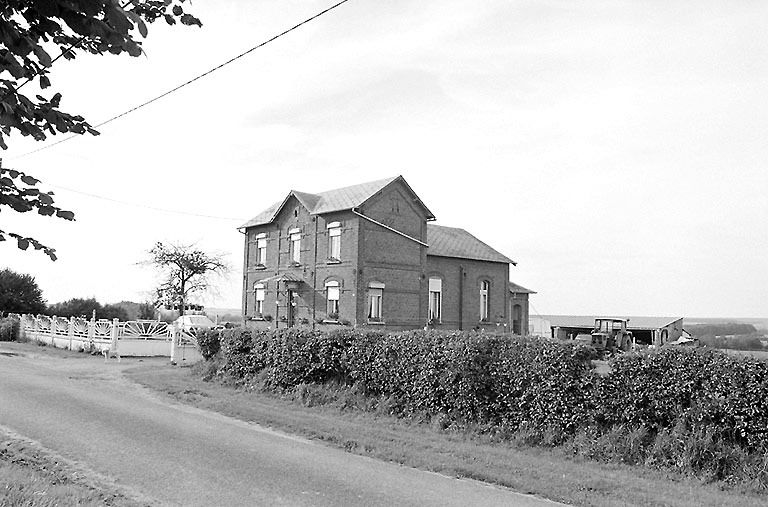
141,338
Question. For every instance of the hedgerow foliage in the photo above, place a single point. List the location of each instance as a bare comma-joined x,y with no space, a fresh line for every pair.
695,411
9,329
493,380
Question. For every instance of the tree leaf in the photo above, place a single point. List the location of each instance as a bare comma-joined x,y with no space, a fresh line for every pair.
66,215
29,180
42,56
22,243
44,82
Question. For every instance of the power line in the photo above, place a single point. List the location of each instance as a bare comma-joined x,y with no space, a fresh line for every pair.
154,208
200,76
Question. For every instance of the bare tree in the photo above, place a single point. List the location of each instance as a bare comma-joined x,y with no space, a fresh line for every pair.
185,271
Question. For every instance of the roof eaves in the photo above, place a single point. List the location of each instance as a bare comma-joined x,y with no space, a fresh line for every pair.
505,260
430,215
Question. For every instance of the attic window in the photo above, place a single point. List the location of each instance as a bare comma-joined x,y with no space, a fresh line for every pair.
296,212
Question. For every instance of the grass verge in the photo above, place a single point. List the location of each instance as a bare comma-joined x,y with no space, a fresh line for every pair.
550,473
34,477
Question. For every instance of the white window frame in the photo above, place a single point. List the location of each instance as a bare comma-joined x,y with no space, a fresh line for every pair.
485,289
435,299
334,241
261,249
295,237
261,292
375,304
333,296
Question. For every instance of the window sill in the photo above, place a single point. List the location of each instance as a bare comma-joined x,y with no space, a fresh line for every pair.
376,322
329,321
259,267
333,261
294,264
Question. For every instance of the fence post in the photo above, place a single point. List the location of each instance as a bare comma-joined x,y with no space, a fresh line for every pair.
53,330
91,333
174,340
113,343
71,331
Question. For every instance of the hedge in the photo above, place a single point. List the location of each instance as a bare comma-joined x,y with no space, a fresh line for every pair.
493,380
9,329
504,383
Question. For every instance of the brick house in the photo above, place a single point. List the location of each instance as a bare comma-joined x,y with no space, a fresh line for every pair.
368,255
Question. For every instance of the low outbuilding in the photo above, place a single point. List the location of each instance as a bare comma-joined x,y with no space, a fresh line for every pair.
645,330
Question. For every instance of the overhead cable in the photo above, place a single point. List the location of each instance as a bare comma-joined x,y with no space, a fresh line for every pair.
190,81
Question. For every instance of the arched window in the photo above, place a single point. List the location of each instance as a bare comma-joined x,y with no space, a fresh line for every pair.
435,299
485,289
334,241
332,293
261,249
260,294
517,319
295,236
375,301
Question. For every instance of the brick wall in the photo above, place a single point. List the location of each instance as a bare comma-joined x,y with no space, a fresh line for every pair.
370,253
393,260
461,280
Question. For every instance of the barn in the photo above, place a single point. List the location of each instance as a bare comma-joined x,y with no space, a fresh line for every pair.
646,330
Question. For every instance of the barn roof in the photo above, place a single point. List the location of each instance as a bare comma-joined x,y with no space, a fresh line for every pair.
338,199
454,242
589,321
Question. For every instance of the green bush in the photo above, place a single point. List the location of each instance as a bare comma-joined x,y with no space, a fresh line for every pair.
208,342
702,389
472,378
694,411
9,329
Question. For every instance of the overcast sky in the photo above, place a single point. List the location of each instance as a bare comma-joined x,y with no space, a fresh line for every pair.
616,150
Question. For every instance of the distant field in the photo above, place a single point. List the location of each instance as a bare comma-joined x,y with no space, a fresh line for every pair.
759,323
760,354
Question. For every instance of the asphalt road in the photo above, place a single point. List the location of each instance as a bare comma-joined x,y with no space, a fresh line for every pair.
174,454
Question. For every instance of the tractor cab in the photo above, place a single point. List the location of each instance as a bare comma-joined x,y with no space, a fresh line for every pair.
610,334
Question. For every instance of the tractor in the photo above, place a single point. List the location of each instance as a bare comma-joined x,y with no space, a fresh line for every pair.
609,336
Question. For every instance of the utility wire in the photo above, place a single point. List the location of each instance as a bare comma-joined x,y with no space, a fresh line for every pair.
154,208
200,76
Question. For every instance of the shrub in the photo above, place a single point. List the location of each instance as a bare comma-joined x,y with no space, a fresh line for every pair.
698,412
208,343
698,388
9,329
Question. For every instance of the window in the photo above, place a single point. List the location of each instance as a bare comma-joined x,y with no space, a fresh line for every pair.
334,241
375,297
295,245
435,299
485,287
375,301
261,249
332,295
260,293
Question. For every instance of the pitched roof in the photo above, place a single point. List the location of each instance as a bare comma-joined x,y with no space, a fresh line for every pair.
331,200
589,321
519,289
454,242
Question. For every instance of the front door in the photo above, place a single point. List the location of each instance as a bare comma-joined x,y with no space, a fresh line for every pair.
291,308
